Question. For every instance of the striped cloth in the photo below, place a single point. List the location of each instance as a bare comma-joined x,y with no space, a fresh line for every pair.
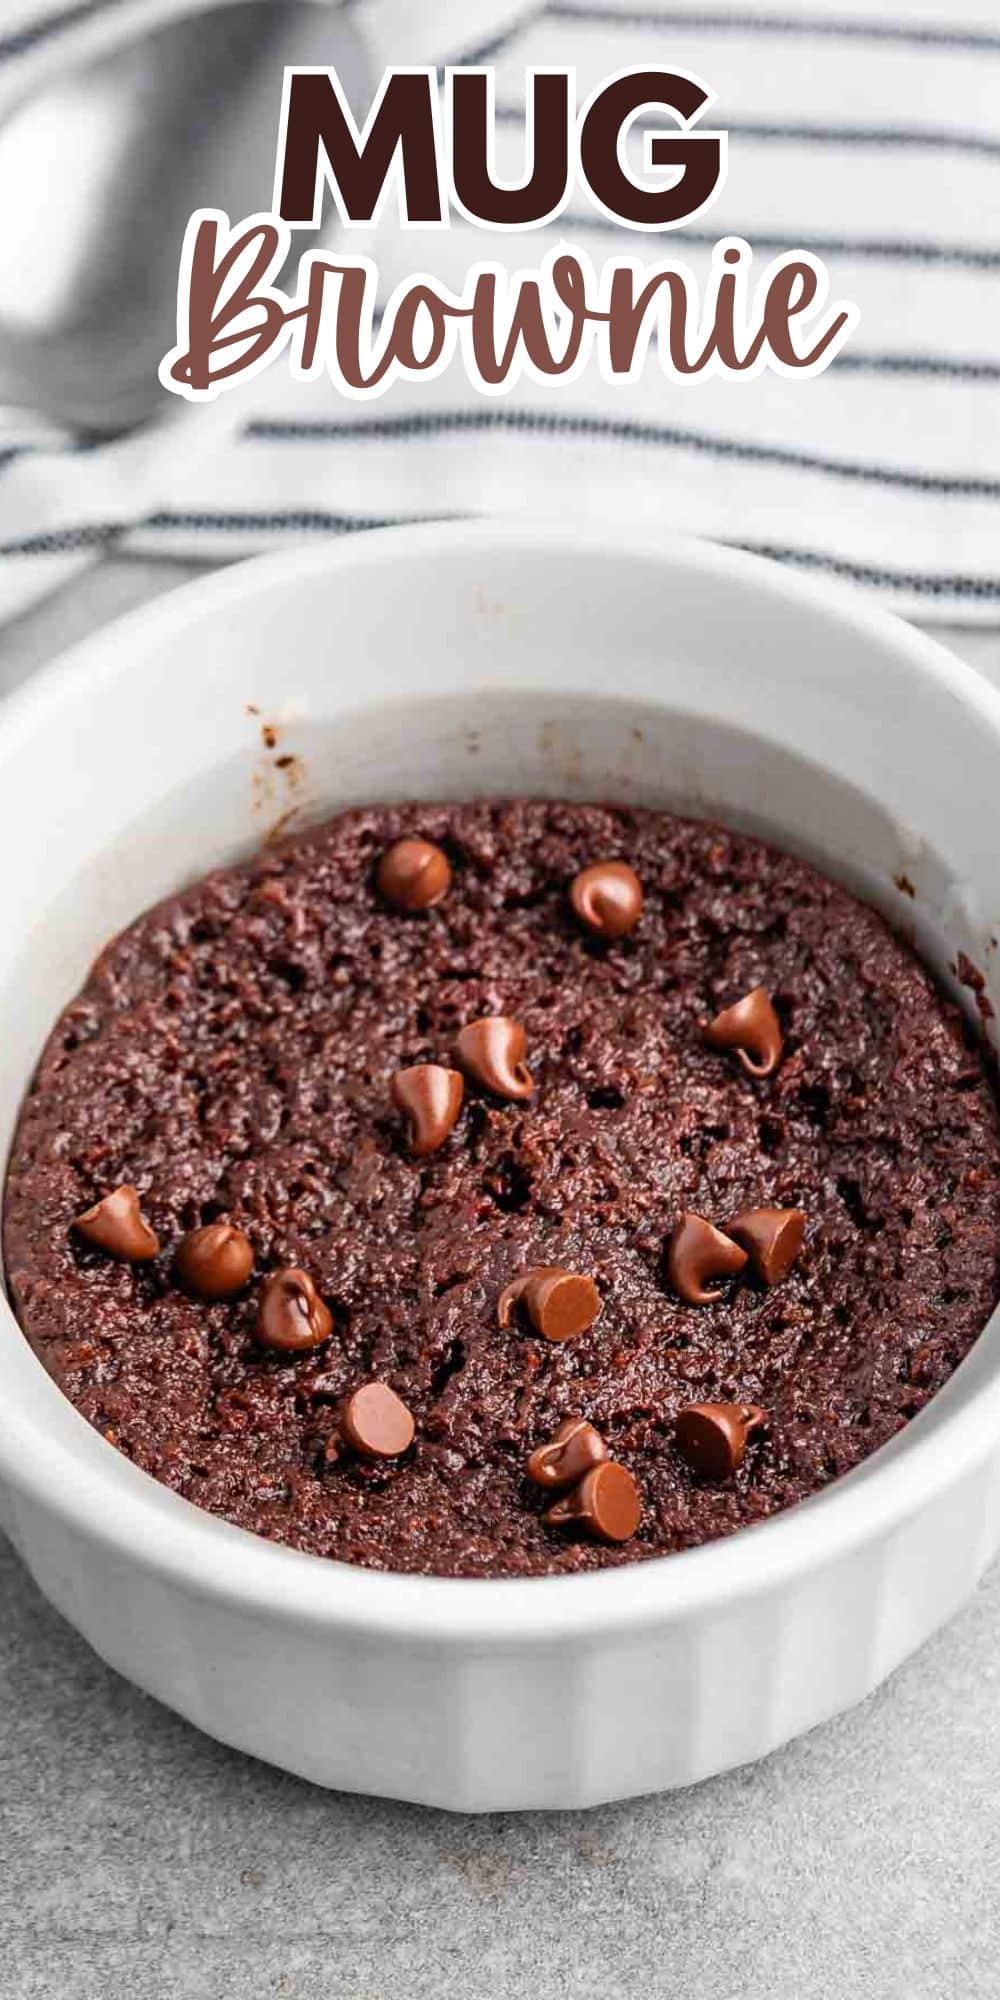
866,130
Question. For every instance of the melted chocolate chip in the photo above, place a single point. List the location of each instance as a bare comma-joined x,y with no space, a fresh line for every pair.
569,1454
605,1504
752,1028
491,1051
413,875
376,1423
698,1251
116,1225
214,1262
607,897
772,1238
712,1437
430,1098
559,1304
292,1316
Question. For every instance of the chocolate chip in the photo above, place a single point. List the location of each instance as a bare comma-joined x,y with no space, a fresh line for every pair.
752,1028
413,875
698,1251
570,1453
491,1051
559,1304
605,1504
292,1316
772,1237
607,897
712,1437
116,1224
376,1423
215,1261
430,1098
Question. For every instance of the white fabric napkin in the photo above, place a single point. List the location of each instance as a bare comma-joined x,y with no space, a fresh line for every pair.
866,130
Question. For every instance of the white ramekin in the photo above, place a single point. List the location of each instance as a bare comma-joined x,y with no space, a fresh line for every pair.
451,661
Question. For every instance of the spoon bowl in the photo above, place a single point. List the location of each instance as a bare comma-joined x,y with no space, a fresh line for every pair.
103,157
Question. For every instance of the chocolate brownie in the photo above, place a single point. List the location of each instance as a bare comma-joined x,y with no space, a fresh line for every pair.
252,1051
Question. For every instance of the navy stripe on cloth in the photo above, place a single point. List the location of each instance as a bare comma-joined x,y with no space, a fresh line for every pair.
737,20
621,430
979,589
925,137
101,534
893,249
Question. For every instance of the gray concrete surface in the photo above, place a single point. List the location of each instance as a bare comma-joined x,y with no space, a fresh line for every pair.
139,1861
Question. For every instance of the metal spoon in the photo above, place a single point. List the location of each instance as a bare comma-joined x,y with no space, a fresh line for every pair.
100,167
